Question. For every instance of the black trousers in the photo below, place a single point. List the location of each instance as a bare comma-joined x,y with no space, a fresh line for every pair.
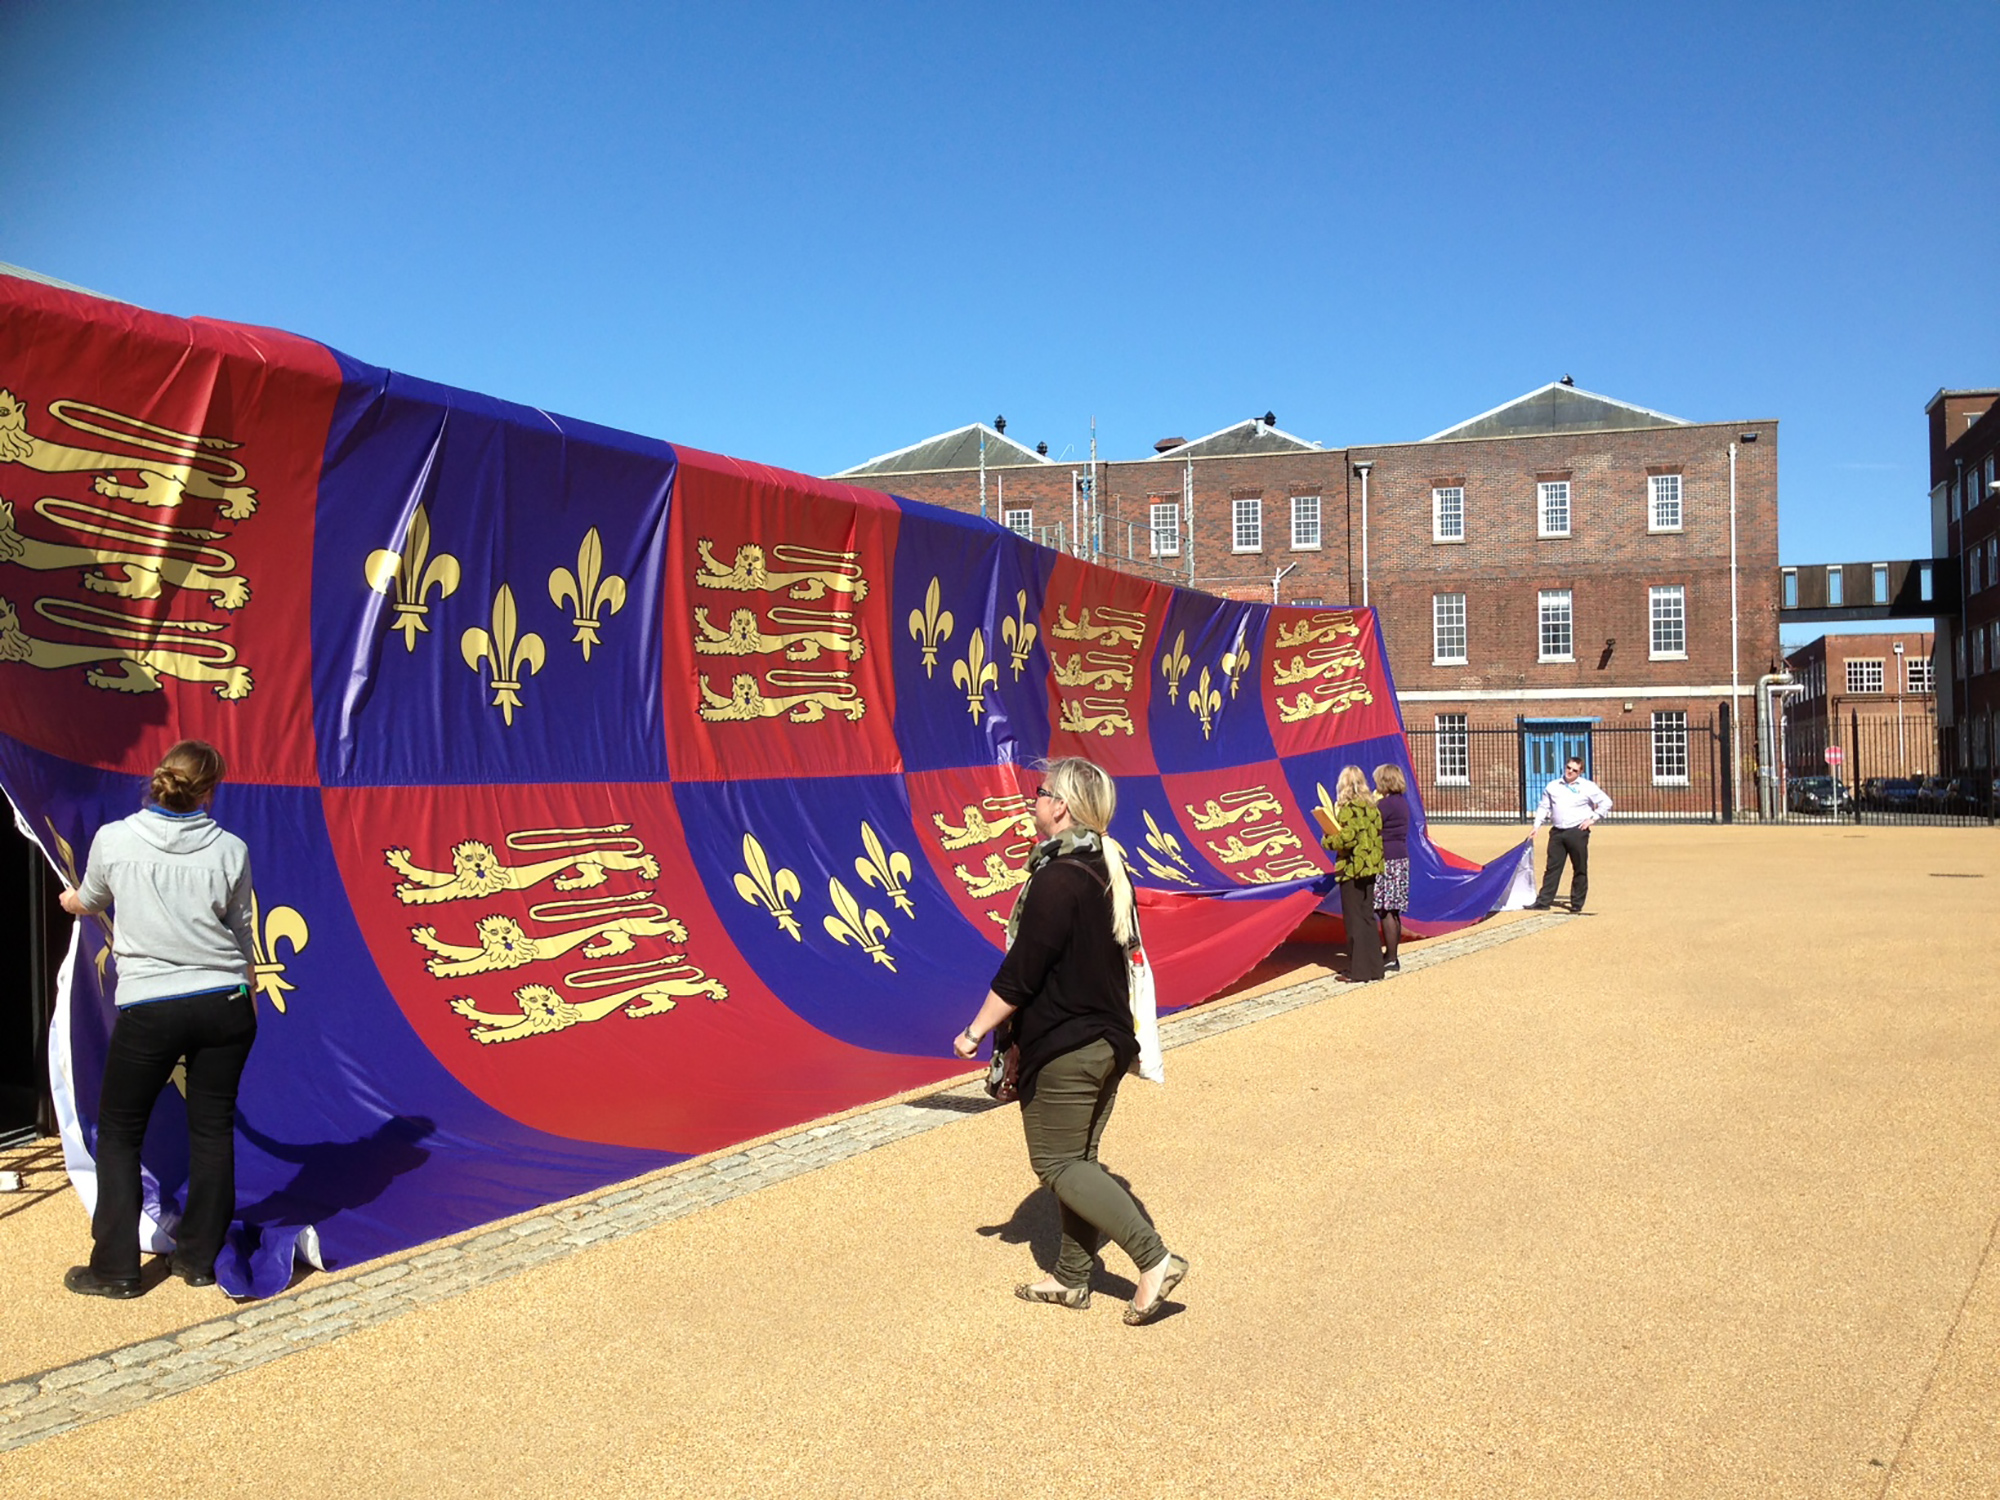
213,1032
1573,844
1364,938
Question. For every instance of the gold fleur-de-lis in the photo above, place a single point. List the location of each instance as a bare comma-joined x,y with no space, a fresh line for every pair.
930,626
774,890
888,868
66,858
975,674
1174,666
865,929
505,651
590,591
1236,660
1206,702
415,573
282,925
1019,634
1165,842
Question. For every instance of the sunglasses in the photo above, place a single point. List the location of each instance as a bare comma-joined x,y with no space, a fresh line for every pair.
1042,791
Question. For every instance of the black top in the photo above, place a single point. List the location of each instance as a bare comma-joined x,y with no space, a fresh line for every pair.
1066,970
1395,810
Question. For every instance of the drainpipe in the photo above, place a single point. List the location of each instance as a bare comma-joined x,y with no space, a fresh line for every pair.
1735,680
1770,687
1362,469
1278,578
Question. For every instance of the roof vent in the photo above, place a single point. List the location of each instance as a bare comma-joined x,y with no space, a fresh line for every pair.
1000,425
1043,449
1165,444
1567,380
1270,419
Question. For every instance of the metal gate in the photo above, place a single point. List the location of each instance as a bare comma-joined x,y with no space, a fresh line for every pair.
1672,770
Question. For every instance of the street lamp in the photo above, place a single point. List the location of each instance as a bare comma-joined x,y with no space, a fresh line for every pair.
1898,649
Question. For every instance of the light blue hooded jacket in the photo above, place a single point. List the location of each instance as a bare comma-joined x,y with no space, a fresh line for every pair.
181,886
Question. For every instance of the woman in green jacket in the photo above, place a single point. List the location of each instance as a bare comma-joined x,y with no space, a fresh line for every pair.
1356,844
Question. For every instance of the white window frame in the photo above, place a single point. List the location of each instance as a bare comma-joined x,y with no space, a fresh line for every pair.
1878,583
1859,675
1246,524
1919,675
1305,523
1448,513
1979,653
1670,747
1836,587
1547,600
1666,605
1451,750
1664,498
1973,571
1789,596
1020,522
1166,536
1448,624
1958,656
1992,560
1550,493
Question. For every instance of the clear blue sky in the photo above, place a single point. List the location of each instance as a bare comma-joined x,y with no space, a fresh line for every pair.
809,234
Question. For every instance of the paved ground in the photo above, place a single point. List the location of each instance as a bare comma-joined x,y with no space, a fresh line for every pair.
1695,1196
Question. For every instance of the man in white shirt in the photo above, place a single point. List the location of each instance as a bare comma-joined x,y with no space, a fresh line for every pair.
1571,805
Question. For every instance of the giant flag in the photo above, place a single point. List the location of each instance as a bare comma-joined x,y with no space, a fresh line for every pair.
609,802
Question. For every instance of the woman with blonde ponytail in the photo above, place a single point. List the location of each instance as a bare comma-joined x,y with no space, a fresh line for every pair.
178,885
1063,997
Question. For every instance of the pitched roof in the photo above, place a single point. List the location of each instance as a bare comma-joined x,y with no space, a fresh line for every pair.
957,449
26,275
1251,436
1557,407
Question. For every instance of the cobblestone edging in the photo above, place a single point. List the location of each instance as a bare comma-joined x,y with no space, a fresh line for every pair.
39,1406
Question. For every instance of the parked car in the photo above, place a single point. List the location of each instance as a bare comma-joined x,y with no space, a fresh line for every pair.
1817,794
1890,794
1933,792
1972,794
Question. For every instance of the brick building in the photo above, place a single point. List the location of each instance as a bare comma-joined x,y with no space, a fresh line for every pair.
1555,568
1874,696
1965,528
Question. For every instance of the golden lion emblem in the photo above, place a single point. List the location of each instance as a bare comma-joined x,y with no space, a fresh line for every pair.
813,572
832,631
170,554
189,463
476,870
504,944
167,648
543,1010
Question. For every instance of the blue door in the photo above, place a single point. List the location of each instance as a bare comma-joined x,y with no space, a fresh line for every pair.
1545,745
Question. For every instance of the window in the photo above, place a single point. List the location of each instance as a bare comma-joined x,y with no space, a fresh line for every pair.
1557,639
1669,616
1448,514
1836,589
1670,747
1978,653
1447,630
1454,751
1953,486
1305,523
1864,676
1791,576
1879,580
1958,655
1552,508
1924,582
1021,523
1247,534
1664,491
1166,528
1972,572
1993,559
1918,676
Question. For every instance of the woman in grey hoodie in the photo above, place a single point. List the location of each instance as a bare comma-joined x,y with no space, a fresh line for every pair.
180,886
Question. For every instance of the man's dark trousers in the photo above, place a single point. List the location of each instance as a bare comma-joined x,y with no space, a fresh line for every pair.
1571,844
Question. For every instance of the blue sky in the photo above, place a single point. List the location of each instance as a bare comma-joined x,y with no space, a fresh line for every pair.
809,234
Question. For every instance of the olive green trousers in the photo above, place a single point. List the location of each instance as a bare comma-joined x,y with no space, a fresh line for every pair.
1064,1122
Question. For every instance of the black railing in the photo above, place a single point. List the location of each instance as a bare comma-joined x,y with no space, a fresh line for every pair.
1888,770
1671,771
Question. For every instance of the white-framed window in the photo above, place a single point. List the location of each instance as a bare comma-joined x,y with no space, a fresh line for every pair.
1667,606
1836,588
1864,674
1448,514
1953,488
1993,559
1663,495
1447,630
1924,584
1305,523
1552,508
1918,675
1246,524
1791,593
1454,751
1166,516
1021,523
1978,653
1958,656
1973,585
1670,747
1879,582
1557,637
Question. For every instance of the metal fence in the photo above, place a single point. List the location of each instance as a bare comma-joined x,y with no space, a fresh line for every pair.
1885,775
1672,770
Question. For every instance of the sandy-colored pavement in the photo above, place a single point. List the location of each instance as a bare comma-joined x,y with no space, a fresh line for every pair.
1693,1196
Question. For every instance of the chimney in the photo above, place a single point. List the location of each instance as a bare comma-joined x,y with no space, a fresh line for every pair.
1166,444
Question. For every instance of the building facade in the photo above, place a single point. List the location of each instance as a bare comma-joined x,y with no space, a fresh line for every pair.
1965,527
1874,696
1564,565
